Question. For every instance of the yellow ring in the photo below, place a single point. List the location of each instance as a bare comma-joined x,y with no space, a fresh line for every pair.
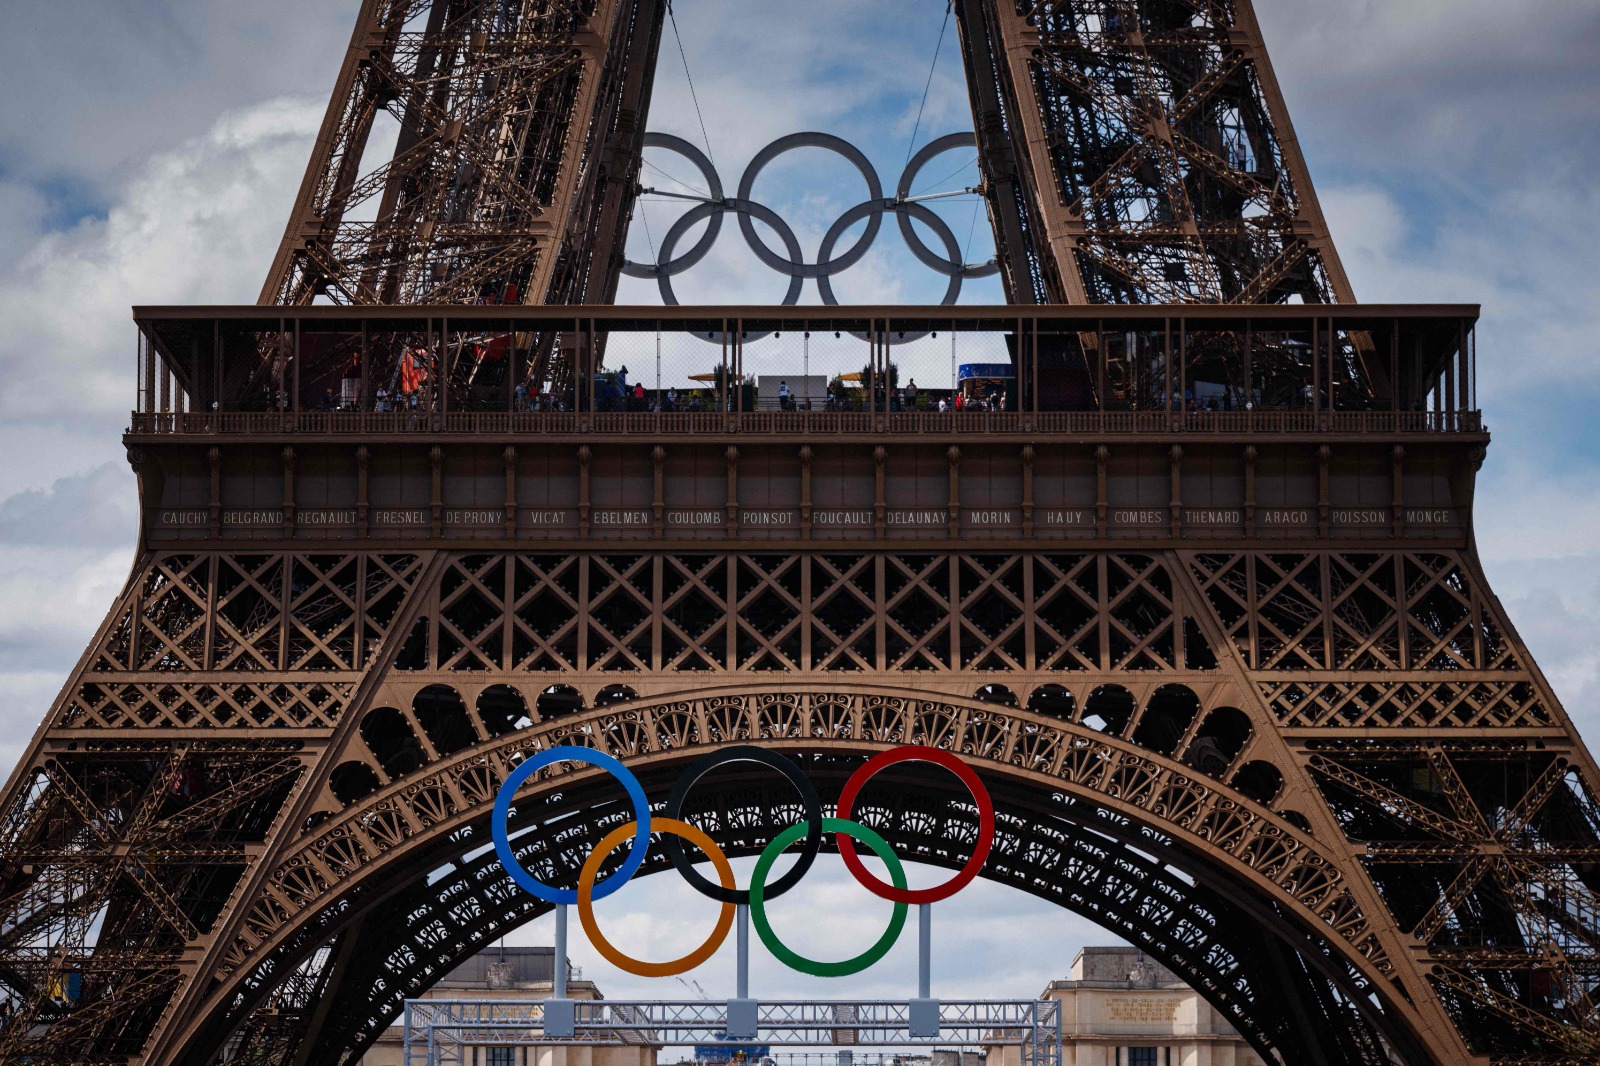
591,870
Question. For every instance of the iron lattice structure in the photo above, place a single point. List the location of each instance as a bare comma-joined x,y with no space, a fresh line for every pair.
1234,677
518,125
1132,152
1140,152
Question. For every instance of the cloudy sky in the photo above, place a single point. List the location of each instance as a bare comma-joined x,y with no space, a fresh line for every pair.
150,150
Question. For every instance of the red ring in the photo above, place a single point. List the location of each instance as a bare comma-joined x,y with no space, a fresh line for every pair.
980,796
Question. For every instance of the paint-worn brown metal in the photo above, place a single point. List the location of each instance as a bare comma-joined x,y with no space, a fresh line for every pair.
1233,675
1141,152
1132,152
1255,645
511,177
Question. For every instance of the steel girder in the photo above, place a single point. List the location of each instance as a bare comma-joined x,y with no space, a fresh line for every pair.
1139,151
1292,1005
1352,740
519,124
1133,151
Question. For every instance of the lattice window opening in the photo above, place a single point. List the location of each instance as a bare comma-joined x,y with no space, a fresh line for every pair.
695,612
916,597
1433,704
472,613
249,612
1226,581
768,633
1067,614
171,632
1365,612
558,701
620,612
1260,781
1168,714
1220,739
1053,701
503,709
442,714
389,578
117,648
324,612
997,694
1142,634
393,742
1289,599
1109,709
843,613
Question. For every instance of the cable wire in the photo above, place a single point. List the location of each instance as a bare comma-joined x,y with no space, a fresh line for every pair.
683,56
931,68
930,185
670,177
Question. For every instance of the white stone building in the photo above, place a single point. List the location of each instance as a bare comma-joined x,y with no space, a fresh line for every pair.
1120,1008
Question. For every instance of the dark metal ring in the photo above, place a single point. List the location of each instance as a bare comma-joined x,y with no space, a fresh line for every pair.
933,222
668,266
930,151
796,266
808,798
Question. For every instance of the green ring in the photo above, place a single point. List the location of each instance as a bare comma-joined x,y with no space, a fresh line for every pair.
758,907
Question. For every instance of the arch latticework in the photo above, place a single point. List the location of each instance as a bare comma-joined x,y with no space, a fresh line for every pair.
1145,806
1251,962
1186,744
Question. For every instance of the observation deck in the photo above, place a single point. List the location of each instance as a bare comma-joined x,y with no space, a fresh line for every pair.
510,424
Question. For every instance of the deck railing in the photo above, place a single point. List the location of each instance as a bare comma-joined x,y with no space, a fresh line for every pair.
801,423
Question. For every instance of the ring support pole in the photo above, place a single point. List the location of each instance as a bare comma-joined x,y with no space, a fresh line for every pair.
925,950
742,945
559,971
560,1014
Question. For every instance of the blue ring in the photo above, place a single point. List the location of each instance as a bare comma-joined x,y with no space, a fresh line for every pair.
502,812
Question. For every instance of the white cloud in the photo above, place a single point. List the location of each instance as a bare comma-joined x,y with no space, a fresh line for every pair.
196,224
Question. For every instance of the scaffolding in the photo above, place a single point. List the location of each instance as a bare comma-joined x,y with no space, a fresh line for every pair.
441,1032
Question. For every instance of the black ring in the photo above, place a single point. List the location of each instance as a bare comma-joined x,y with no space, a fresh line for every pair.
711,209
744,753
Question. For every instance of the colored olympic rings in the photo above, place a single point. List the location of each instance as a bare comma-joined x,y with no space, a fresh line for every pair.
980,851
792,264
502,811
812,824
793,959
674,831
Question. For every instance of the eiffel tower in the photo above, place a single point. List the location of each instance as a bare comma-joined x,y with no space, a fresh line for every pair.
1231,671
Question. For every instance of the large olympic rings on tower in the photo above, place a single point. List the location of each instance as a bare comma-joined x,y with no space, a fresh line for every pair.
792,264
809,830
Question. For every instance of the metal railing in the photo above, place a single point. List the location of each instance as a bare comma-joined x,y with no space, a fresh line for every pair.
437,1031
800,423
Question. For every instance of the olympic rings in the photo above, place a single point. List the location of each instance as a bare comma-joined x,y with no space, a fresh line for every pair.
980,796
812,828
715,204
502,811
674,829
786,767
787,955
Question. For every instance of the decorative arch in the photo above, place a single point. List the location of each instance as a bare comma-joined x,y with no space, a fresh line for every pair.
1247,883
